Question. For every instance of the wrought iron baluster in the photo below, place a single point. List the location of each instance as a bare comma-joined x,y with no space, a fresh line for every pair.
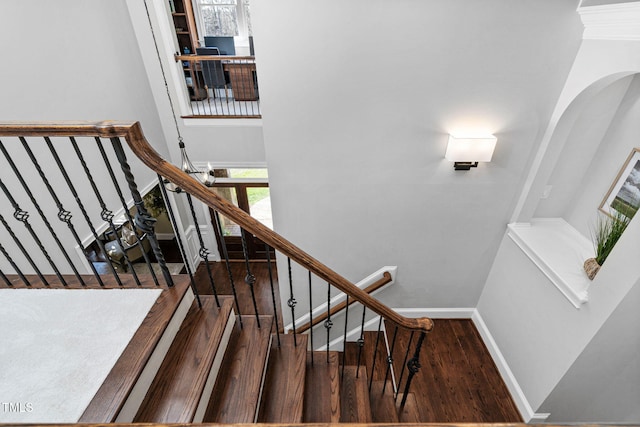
203,252
292,303
273,294
249,279
311,318
85,214
413,365
174,224
375,354
116,186
390,359
344,339
143,220
23,217
63,214
404,364
24,252
5,278
361,340
105,213
328,324
225,253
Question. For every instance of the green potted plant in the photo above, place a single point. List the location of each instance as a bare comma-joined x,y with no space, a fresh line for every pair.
605,235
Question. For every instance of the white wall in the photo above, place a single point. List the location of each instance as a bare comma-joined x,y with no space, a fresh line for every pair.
358,98
543,338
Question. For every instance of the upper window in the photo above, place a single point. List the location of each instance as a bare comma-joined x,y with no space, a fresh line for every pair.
223,18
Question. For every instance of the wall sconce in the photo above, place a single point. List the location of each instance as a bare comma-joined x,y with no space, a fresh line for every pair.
467,152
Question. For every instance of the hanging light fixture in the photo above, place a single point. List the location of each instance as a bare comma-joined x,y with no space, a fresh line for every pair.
205,177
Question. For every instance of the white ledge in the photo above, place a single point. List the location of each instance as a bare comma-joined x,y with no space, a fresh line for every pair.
619,21
559,251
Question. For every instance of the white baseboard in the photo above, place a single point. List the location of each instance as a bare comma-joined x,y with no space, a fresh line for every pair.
519,398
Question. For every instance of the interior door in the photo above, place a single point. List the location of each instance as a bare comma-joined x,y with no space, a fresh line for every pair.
254,199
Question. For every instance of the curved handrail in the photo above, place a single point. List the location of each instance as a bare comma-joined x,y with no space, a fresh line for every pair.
132,132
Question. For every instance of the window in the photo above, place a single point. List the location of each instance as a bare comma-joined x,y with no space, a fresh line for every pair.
223,18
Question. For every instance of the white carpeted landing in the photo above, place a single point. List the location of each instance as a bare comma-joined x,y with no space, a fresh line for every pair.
58,345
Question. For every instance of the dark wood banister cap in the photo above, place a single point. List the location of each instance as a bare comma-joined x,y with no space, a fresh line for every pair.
132,132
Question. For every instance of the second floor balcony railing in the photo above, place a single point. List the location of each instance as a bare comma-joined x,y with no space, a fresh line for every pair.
221,86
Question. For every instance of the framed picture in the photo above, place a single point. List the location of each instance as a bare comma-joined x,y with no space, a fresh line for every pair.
624,194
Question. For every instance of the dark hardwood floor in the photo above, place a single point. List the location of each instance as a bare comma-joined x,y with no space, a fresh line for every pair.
458,380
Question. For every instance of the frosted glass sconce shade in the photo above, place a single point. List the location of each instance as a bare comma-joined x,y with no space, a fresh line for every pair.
467,152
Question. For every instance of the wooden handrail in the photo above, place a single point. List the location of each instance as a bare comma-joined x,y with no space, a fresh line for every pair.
132,132
385,279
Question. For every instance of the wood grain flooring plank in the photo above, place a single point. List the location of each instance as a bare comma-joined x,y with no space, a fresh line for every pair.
322,389
383,405
236,394
175,393
283,395
355,406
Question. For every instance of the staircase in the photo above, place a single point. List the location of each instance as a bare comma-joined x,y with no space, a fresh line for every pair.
223,368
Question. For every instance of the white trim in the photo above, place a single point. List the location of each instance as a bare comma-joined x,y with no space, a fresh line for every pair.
611,22
508,377
336,344
437,313
559,251
337,299
222,122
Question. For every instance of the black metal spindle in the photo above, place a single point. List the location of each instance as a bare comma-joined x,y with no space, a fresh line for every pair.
105,213
85,214
176,231
203,252
413,365
125,208
5,278
225,253
311,318
328,324
390,359
375,354
404,364
273,294
144,221
63,214
361,341
249,278
292,303
344,339
23,216
24,252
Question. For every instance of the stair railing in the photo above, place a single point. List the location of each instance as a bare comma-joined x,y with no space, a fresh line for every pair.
133,135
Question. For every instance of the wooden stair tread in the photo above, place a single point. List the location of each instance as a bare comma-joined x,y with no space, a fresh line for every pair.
410,412
114,391
175,393
236,395
322,388
367,354
383,405
355,406
283,399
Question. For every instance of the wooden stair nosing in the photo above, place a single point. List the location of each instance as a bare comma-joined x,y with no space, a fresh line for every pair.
176,392
236,395
285,381
144,353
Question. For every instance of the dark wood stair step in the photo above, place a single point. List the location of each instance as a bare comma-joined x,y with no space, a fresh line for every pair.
355,406
283,395
176,393
322,388
384,405
236,395
367,354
